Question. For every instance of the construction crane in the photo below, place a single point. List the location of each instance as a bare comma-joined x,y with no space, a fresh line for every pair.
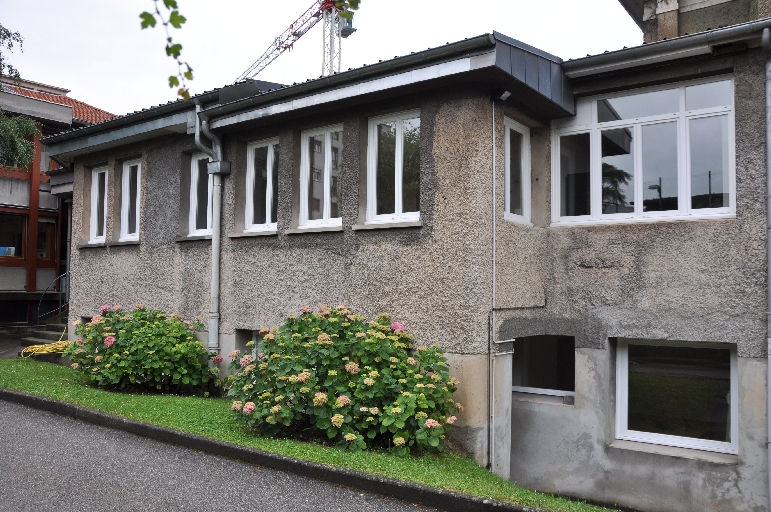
335,28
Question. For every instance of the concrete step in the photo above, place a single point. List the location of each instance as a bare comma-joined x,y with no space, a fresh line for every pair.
48,335
31,340
55,326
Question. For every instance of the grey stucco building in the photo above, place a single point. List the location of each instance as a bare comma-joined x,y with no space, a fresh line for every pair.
585,239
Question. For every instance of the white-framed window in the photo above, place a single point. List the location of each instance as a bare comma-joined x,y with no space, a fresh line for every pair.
261,185
320,168
130,195
517,187
544,365
98,220
677,393
393,168
201,183
662,153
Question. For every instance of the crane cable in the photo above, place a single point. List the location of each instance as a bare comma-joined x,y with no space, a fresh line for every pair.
49,348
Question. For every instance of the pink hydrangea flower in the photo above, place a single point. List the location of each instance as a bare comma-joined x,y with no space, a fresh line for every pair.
303,377
451,420
397,326
234,354
104,307
248,407
139,305
117,307
236,405
342,401
337,420
246,360
399,441
305,309
97,359
323,337
319,399
431,423
76,323
352,368
216,359
109,340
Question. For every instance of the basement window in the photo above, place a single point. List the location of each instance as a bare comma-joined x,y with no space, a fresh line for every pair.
681,394
544,365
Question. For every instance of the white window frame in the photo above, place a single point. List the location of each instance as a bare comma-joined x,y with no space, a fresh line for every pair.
586,121
94,221
192,231
125,236
305,177
510,124
249,226
622,400
398,215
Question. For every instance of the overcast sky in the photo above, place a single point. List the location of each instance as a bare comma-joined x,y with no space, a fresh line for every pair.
96,48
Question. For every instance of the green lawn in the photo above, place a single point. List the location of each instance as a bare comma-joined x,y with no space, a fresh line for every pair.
211,417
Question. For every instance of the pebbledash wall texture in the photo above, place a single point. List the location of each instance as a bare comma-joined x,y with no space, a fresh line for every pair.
700,281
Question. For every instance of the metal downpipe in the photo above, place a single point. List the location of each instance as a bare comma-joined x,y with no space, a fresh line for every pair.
215,153
766,40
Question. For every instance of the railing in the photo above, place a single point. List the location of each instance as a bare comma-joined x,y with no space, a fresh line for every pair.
64,296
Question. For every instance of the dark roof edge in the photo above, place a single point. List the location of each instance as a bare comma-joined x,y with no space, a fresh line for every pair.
448,50
143,115
526,47
629,57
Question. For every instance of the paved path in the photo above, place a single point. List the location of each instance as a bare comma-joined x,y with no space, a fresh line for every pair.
52,463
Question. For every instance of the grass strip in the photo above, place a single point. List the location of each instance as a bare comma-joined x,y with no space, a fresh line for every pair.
211,417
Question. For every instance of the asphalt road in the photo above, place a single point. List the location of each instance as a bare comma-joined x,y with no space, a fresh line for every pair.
52,463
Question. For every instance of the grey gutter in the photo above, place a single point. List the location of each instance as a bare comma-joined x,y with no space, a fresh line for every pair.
662,51
426,56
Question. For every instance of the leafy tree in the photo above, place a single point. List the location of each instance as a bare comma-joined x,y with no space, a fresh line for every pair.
613,179
17,148
174,50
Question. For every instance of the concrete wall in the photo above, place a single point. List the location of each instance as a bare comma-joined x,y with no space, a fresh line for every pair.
697,281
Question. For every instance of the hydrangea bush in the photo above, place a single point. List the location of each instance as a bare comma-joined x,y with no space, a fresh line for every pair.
143,349
333,374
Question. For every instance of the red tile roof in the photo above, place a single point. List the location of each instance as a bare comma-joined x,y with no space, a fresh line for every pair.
80,111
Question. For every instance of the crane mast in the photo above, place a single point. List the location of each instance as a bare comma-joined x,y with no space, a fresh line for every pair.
335,28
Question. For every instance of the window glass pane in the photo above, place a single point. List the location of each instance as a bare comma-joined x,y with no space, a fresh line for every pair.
316,181
638,105
544,362
574,175
411,165
11,235
715,94
335,184
386,168
260,185
133,188
659,162
202,195
709,162
617,171
680,391
46,232
515,172
274,180
100,189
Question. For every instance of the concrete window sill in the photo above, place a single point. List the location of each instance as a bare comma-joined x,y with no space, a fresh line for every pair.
568,400
322,229
125,242
247,234
87,245
388,225
192,238
671,451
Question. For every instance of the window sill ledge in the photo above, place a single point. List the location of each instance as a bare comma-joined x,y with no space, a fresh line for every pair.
247,234
646,220
388,225
671,451
89,245
319,229
124,242
192,238
567,400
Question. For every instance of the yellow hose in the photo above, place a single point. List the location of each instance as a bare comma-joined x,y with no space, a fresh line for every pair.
49,348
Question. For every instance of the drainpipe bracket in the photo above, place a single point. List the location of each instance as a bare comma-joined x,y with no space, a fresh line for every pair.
222,168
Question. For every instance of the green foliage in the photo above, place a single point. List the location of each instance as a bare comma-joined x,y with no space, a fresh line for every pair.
142,349
7,40
17,148
335,376
173,50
